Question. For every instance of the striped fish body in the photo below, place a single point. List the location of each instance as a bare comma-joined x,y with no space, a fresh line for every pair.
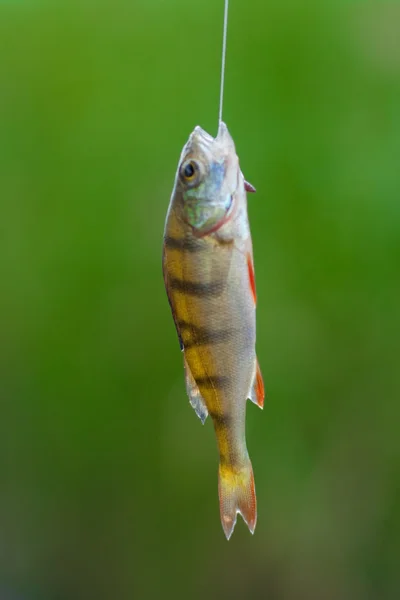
209,277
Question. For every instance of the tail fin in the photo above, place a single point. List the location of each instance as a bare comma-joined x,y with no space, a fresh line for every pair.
237,494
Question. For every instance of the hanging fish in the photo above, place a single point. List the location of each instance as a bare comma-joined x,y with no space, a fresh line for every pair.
209,278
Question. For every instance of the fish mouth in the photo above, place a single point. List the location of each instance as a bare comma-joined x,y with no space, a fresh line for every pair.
202,142
202,134
199,140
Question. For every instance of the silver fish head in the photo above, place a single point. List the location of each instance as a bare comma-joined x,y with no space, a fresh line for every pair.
208,176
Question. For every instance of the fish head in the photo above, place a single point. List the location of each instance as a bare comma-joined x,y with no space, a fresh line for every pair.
208,177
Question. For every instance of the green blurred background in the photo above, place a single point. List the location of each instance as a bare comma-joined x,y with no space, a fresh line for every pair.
108,481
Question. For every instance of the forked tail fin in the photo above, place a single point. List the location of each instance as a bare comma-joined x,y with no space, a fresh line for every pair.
237,494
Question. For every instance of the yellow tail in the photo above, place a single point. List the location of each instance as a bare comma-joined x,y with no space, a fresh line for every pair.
237,494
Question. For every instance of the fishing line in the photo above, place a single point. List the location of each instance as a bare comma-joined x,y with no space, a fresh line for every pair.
225,31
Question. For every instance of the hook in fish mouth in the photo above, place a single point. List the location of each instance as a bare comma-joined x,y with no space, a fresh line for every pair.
222,129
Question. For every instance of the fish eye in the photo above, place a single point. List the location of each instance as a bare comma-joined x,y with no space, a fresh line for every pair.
190,171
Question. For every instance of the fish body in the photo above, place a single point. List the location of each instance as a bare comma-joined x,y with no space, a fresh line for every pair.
209,278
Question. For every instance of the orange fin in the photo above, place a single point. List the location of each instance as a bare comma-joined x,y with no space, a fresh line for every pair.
252,279
237,494
257,391
195,398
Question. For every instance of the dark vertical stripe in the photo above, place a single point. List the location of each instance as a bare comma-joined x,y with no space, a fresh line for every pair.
193,288
200,336
213,382
220,421
187,244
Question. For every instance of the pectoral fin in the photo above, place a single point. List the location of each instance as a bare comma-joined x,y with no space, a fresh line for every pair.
249,188
195,397
257,393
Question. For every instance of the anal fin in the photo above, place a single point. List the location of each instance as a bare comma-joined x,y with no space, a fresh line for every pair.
195,398
257,392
